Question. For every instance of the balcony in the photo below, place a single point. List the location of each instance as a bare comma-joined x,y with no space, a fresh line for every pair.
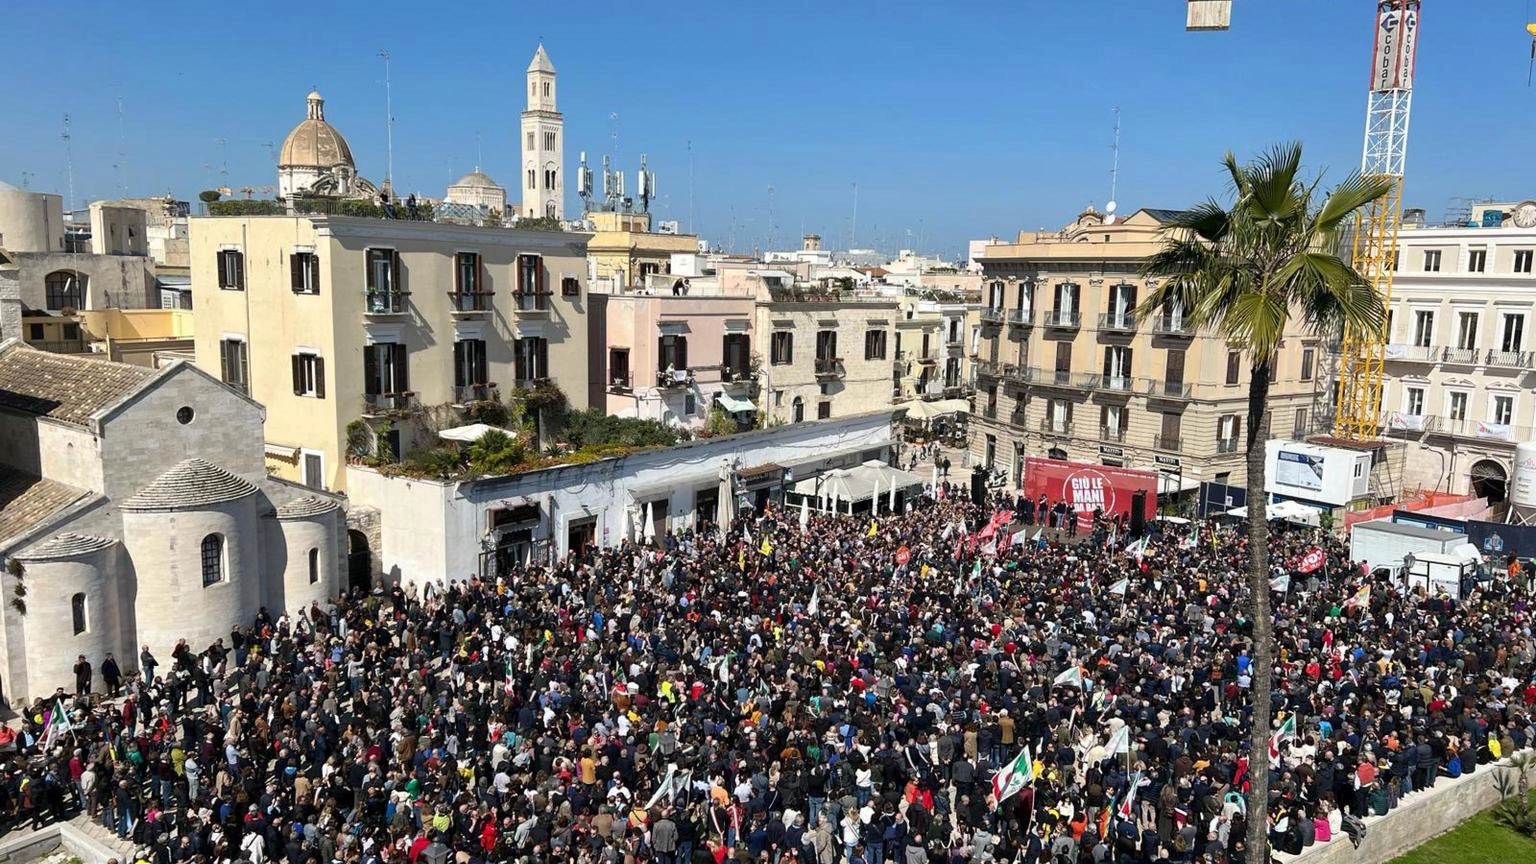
1110,383
671,379
736,375
386,303
1018,374
1167,389
989,412
830,367
382,404
1064,319
1482,430
467,303
621,384
532,383
1112,434
531,302
1061,378
1411,353
992,315
1021,318
1226,445
1055,427
463,394
1459,356
1509,359
988,369
1174,326
1117,322
1167,442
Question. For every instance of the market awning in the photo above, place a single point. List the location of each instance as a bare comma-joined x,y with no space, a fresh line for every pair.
859,483
939,408
735,404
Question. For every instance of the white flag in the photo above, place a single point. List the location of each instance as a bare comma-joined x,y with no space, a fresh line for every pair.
815,603
1120,587
1120,742
1073,675
665,788
805,514
1020,538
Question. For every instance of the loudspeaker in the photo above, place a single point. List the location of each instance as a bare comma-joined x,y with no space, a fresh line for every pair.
1139,512
979,485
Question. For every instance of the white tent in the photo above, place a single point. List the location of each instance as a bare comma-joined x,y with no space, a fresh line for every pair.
859,483
472,432
1289,511
939,408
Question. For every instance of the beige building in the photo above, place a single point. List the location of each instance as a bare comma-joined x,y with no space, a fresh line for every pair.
327,320
1065,369
624,253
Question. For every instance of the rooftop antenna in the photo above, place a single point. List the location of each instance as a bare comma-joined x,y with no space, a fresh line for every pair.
645,186
853,229
69,169
769,232
584,183
389,127
122,179
223,159
1114,173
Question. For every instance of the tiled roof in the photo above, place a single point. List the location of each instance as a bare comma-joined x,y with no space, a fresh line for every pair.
25,501
63,387
304,508
66,545
1162,215
191,484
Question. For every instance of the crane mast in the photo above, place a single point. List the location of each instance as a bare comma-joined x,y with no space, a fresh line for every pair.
1357,414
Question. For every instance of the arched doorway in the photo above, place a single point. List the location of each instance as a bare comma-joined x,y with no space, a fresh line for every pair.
359,562
1489,480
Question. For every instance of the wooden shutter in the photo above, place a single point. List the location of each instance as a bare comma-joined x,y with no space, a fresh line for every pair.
519,361
402,370
1063,356
296,272
371,382
239,260
1130,300
319,377
1175,369
1130,362
481,372
458,365
1109,356
682,352
538,273
297,362
1059,287
394,275
224,360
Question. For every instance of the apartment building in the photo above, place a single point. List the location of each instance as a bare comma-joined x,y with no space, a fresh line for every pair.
404,325
1067,370
936,340
1459,363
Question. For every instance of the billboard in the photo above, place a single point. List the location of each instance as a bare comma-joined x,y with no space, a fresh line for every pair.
1086,487
1397,43
1304,470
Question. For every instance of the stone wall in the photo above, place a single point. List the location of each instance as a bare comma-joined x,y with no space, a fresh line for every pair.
1417,820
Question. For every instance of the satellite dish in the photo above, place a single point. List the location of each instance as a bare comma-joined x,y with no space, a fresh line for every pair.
1109,208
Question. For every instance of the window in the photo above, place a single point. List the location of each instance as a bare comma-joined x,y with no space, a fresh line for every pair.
991,452
71,332
995,295
874,345
308,375
1122,302
1168,437
549,178
77,613
1423,328
1477,260
1299,423
671,353
1456,405
1397,255
1117,368
823,409
1466,330
570,286
384,294
314,470
386,369
618,367
1063,365
35,332
231,263
1227,428
1066,302
1112,422
466,273
826,345
304,272
1522,261
314,566
1308,356
690,405
1503,409
1413,401
797,410
1234,366
781,348
470,373
213,559
532,174
1173,373
530,282
549,137
1512,336
1431,260
531,359
529,136
546,88
234,365
1058,418
736,354
64,289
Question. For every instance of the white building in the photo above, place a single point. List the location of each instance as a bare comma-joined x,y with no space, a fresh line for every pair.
135,509
543,130
476,189
1460,365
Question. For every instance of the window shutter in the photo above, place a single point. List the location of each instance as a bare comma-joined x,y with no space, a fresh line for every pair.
1060,289
1130,362
224,360
458,365
402,370
538,273
682,352
482,374
1237,427
371,370
394,274
370,278
298,374
319,377
521,267
519,361
296,272
1109,356
1130,299
314,273
239,269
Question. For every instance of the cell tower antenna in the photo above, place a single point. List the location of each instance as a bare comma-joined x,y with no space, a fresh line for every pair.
389,127
1114,171
853,228
69,169
122,177
768,234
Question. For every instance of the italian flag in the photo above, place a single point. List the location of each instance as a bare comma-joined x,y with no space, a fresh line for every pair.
1014,776
1286,731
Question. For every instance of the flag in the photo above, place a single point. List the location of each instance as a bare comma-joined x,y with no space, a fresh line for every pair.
815,603
1120,742
1311,561
666,788
990,548
508,686
1020,538
1281,583
1039,532
1073,676
1286,731
1362,598
948,530
741,559
874,528
1189,541
1012,777
1120,587
1130,795
766,548
805,514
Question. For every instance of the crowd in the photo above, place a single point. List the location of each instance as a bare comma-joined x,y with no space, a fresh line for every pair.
843,691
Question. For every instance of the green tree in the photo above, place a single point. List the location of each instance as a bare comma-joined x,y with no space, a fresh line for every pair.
495,452
1248,272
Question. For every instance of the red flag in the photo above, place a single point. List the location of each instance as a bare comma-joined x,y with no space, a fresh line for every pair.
1311,561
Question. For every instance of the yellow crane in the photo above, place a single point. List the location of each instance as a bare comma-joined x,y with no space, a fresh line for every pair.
1357,409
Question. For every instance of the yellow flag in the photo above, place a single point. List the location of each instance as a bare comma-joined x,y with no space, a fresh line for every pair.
741,559
766,548
874,528
923,573
1493,746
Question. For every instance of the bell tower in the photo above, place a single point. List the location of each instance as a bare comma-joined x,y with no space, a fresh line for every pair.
543,134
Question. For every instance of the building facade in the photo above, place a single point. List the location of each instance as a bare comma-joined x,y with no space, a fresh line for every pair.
1066,369
1460,363
543,140
823,356
624,254
331,320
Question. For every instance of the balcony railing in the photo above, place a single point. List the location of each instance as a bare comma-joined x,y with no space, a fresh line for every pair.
1412,353
1123,322
463,394
620,383
992,315
1021,317
829,367
988,369
1483,430
1167,442
1113,434
1168,325
1167,389
734,375
1062,378
1112,383
1056,427
58,346
386,302
1461,356
1066,318
1019,374
672,378
1509,359
469,301
531,301
382,403
1226,445
989,412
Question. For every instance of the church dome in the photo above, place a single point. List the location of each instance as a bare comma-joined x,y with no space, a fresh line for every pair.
314,142
478,179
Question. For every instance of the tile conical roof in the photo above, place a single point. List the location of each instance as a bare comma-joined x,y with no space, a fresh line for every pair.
303,508
189,485
66,545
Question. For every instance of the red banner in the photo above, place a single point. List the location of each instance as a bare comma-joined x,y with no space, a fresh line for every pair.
1088,487
1314,559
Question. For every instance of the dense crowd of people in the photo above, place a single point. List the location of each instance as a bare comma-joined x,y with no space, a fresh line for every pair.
842,691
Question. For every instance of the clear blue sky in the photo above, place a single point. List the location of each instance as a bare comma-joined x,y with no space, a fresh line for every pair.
957,120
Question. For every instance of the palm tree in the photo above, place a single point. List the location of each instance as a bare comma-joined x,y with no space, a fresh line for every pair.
1247,272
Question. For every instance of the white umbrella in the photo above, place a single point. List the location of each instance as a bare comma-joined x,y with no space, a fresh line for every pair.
647,530
805,514
891,505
